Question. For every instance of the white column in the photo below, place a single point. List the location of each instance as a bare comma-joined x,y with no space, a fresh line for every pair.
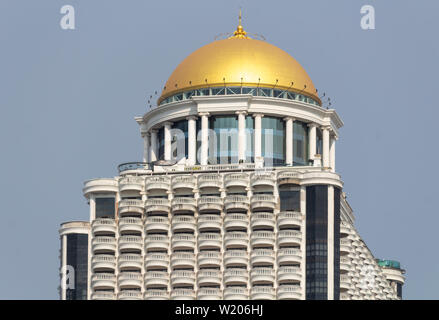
168,140
145,137
330,242
258,135
332,153
241,135
63,266
303,242
192,140
204,137
325,154
153,146
289,141
312,134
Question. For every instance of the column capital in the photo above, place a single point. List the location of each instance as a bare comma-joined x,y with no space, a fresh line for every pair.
326,127
192,118
167,123
254,115
153,130
202,114
144,134
312,125
289,118
243,112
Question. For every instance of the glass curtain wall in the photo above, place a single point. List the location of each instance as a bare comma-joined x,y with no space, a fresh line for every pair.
250,139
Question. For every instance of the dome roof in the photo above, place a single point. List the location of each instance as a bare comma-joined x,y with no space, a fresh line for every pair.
239,61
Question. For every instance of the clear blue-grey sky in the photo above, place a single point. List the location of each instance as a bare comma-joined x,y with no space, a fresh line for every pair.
68,100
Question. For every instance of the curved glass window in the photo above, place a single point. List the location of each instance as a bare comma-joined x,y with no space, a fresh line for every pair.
273,141
161,143
319,142
300,143
250,139
254,91
180,142
223,145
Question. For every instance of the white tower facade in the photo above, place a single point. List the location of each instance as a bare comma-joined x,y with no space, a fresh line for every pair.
237,196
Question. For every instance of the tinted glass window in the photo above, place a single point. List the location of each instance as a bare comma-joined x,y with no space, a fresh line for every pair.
105,208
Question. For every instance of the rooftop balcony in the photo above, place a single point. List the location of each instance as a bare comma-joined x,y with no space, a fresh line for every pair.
157,224
183,241
263,239
262,257
183,260
130,261
209,259
265,179
289,274
130,243
289,237
130,295
156,242
130,206
157,183
236,239
157,205
209,277
103,281
156,294
262,220
209,181
103,262
236,202
289,219
263,293
131,183
209,240
156,260
236,180
183,294
103,226
102,295
182,278
263,202
130,224
289,256
262,276
155,279
209,222
235,221
235,276
130,280
183,182
183,224
210,204
183,204
209,294
103,244
289,292
235,258
235,293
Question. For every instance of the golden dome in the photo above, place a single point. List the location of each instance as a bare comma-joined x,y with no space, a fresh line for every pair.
239,61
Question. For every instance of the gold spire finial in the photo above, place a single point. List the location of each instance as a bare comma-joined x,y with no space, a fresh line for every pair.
239,32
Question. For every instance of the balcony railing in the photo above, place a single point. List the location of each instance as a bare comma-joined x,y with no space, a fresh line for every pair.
209,181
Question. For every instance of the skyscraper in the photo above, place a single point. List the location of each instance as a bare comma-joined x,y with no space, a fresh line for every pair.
237,196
